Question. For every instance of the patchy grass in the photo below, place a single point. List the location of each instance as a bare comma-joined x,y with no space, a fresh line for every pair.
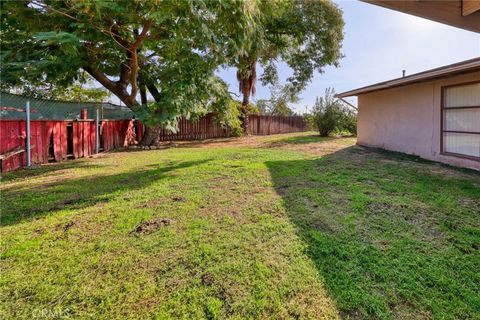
287,226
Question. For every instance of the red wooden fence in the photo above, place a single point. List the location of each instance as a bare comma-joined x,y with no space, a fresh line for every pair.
50,140
115,134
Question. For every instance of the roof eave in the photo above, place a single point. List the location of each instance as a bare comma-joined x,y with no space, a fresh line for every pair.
455,69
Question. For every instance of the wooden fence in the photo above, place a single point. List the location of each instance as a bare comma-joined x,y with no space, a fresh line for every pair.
58,140
265,125
206,127
53,140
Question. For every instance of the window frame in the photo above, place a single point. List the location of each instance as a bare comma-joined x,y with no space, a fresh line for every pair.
442,129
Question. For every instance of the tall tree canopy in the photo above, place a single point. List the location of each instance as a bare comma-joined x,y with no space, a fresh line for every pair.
83,89
168,48
305,34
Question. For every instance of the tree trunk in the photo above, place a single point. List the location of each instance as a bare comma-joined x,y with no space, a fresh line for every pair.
143,94
150,136
245,122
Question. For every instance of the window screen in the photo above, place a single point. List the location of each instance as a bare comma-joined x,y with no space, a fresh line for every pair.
461,120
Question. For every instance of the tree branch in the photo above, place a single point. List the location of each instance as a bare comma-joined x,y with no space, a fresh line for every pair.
154,92
101,77
134,57
112,86
143,34
104,31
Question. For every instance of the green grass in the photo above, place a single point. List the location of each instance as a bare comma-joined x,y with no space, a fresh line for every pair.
288,226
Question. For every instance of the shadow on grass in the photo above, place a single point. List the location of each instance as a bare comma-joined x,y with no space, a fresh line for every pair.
46,169
392,235
39,200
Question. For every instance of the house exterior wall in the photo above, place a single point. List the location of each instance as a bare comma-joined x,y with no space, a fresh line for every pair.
408,119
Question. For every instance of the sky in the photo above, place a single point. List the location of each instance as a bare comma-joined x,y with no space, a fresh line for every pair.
379,43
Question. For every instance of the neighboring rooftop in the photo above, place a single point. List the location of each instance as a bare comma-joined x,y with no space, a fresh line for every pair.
467,66
12,106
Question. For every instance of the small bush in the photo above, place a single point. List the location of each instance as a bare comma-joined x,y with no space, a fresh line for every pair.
331,116
348,121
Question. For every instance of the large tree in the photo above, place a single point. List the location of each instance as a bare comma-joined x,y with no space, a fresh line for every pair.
169,49
304,34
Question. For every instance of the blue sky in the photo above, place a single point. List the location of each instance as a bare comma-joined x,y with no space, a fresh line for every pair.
379,43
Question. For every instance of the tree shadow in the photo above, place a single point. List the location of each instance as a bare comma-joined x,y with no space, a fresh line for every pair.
36,201
46,169
383,229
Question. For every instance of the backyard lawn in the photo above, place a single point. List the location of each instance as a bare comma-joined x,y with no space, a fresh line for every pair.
277,227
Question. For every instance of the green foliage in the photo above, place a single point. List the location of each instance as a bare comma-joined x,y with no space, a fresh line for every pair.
82,93
82,90
171,48
330,116
228,115
252,108
306,35
310,119
279,102
348,121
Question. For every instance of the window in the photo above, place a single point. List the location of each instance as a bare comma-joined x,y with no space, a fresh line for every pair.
461,120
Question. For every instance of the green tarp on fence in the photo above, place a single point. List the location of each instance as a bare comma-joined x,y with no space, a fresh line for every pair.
58,110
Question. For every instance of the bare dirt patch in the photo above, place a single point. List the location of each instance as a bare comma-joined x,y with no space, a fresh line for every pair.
150,226
65,226
207,279
179,199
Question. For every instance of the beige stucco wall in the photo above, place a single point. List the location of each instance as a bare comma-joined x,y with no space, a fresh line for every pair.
407,119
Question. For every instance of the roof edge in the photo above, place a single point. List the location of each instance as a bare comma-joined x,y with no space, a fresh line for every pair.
470,65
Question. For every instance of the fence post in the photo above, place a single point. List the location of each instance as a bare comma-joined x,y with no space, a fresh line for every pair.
27,111
97,131
84,114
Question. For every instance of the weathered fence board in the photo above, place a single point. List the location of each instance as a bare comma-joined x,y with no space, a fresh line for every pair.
266,125
13,134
